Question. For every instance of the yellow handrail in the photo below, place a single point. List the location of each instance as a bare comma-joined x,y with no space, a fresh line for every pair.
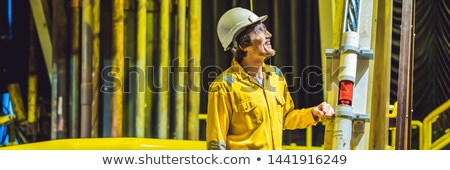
416,124
443,141
427,125
393,137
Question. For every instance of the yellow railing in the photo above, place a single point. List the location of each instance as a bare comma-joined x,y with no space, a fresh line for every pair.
425,128
415,124
444,140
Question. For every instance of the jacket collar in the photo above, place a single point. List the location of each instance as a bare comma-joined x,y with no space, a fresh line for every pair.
242,74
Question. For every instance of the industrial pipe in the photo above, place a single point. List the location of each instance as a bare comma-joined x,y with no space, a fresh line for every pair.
74,103
405,72
86,69
95,66
194,67
59,37
180,79
141,64
149,75
163,78
118,69
32,84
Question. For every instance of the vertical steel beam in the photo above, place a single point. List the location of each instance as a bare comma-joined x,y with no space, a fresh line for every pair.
141,64
86,69
195,20
74,104
326,18
180,79
118,69
405,81
382,65
163,78
43,33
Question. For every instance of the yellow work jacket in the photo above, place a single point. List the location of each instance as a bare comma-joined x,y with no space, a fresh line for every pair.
244,114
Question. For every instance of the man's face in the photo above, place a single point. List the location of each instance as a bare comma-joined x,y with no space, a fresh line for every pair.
260,42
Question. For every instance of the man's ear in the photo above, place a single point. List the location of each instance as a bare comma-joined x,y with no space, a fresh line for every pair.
244,46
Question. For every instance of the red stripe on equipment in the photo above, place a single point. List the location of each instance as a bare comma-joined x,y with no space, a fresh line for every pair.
345,92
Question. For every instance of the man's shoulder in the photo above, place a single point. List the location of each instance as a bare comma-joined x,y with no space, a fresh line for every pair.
223,82
227,77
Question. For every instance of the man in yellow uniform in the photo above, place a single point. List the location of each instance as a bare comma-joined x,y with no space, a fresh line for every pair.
249,104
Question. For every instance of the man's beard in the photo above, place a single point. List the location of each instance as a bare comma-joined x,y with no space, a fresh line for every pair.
267,53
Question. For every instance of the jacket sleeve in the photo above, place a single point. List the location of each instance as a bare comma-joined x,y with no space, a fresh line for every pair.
296,118
218,112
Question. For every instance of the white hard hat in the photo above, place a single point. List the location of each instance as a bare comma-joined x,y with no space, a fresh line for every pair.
233,22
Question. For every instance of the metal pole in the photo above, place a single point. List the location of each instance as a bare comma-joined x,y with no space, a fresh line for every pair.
141,64
411,77
129,47
194,68
195,17
95,66
216,47
32,84
74,103
381,87
180,79
54,101
276,28
86,69
50,60
149,75
406,60
118,68
59,36
294,34
106,64
163,78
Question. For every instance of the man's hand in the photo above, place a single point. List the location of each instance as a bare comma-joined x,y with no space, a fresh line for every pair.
323,110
